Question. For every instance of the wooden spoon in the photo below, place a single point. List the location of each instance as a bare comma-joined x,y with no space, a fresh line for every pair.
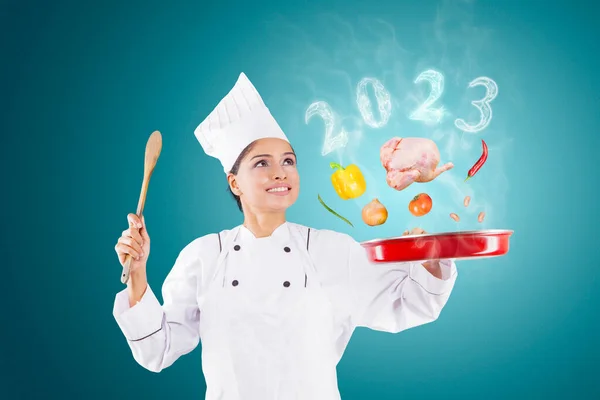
153,148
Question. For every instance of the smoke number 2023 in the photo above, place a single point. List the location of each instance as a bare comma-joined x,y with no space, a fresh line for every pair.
426,112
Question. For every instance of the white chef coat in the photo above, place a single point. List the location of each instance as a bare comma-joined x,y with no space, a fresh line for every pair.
275,314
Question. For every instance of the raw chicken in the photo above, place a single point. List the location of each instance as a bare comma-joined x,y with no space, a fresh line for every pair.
411,160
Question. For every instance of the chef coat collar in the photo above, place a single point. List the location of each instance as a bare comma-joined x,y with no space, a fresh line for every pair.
281,235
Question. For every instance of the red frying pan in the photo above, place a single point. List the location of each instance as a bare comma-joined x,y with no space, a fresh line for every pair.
432,246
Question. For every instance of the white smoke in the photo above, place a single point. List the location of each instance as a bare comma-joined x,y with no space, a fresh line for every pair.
330,58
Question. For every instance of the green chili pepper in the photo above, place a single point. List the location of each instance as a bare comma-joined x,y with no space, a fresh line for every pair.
334,213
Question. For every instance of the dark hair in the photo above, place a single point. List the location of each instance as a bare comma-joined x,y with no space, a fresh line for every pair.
235,169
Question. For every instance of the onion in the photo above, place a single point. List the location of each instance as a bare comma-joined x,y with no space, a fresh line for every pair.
374,213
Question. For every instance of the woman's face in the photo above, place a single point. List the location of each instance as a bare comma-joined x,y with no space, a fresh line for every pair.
267,180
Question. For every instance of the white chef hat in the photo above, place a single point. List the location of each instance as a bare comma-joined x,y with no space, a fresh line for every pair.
240,118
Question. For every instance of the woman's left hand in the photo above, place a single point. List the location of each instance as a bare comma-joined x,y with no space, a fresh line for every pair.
433,266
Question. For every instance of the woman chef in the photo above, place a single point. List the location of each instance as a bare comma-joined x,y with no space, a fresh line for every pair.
273,303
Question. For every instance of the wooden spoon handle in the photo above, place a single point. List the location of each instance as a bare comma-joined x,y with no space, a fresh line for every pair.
140,210
125,274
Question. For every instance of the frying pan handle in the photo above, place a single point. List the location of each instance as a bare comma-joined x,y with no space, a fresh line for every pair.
125,274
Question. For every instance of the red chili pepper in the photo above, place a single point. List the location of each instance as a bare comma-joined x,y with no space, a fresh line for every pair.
479,162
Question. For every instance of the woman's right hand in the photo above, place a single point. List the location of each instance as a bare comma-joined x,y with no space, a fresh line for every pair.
134,241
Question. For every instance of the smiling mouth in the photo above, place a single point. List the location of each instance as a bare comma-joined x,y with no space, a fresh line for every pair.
279,189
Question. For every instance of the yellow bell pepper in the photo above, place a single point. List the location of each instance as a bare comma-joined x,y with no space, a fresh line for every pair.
349,182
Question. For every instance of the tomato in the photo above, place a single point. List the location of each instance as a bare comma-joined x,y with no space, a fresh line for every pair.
420,205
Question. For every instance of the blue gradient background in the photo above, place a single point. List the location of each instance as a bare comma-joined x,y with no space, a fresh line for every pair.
83,85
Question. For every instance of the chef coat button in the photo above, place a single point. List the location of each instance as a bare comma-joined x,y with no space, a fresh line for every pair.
286,249
236,247
286,284
235,282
